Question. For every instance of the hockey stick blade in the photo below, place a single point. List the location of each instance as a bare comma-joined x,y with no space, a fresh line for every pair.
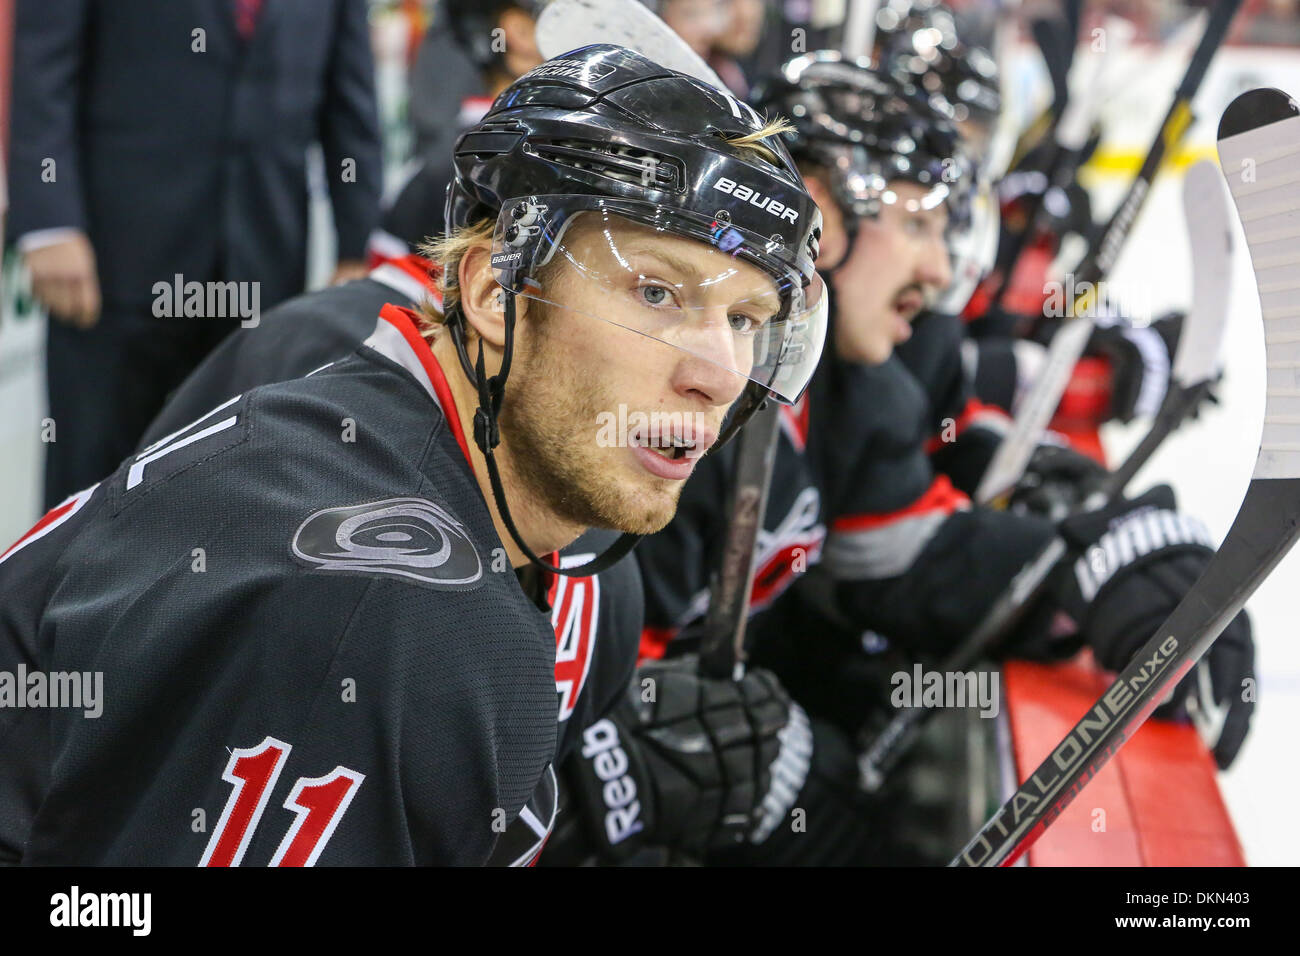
1196,360
1259,140
569,24
722,649
1013,454
1209,225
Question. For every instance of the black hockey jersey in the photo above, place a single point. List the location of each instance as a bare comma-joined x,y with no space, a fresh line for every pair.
309,646
597,619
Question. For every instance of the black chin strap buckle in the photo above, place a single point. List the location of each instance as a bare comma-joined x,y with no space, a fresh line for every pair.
486,433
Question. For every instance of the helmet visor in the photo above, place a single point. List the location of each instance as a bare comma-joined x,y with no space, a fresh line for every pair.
972,246
744,302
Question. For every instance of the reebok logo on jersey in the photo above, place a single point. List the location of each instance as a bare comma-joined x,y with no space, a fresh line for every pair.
407,537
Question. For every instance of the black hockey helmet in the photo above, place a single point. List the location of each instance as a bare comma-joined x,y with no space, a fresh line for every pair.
865,128
606,133
604,121
920,40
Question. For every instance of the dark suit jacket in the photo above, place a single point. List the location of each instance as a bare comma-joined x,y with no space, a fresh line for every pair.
175,160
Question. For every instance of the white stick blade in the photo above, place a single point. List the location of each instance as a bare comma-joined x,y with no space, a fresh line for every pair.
1260,158
1209,227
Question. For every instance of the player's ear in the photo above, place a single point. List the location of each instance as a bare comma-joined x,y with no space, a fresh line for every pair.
482,300
834,238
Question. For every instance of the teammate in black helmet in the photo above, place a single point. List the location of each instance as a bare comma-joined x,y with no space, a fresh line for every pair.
909,556
318,597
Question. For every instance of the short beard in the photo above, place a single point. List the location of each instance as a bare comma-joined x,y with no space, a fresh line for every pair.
548,423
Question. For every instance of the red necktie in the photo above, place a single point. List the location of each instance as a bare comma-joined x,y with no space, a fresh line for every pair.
246,12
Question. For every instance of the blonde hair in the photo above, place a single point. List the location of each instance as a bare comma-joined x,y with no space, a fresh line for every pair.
771,127
448,251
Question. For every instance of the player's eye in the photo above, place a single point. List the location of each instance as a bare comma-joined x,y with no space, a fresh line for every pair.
743,324
655,295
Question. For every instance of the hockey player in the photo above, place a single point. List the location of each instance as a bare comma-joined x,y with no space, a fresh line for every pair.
889,544
327,572
1126,368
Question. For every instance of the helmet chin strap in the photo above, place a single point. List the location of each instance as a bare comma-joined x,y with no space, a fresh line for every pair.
487,435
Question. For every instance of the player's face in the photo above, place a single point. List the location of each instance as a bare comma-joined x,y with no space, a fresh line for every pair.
615,419
898,263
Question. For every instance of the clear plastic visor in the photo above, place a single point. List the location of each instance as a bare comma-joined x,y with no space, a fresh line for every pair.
703,286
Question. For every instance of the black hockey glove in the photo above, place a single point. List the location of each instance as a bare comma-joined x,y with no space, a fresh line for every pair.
1057,481
684,762
1137,559
1141,359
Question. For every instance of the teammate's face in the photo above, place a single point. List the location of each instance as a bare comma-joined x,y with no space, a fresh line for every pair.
898,263
597,407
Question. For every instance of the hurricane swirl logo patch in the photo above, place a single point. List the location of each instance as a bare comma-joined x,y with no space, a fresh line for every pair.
407,537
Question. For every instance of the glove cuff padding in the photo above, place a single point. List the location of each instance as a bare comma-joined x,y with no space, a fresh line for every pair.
605,785
682,761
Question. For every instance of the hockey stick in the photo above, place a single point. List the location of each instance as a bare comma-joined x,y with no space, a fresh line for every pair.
1036,410
722,648
1210,228
1259,140
859,35
569,24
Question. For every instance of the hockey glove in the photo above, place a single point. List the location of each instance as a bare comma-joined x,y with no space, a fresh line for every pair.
1057,480
684,762
1136,561
1141,358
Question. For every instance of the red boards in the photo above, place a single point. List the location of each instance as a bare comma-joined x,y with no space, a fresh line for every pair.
1156,803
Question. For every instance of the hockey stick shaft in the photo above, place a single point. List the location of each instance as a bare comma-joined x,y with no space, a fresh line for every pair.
722,649
1067,346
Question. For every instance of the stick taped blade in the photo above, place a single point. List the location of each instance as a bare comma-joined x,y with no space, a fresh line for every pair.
1259,152
1209,225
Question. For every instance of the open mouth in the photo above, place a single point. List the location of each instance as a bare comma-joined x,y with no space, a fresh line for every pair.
673,447
908,304
673,452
